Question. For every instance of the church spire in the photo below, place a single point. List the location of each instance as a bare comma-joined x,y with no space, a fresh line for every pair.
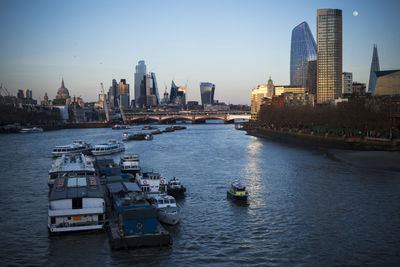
62,83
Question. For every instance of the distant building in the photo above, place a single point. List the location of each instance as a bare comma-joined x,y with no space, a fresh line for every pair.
257,96
270,88
358,88
281,89
20,94
329,54
62,95
303,49
294,99
177,95
123,89
139,76
347,83
311,83
27,94
148,91
374,68
207,91
113,94
386,83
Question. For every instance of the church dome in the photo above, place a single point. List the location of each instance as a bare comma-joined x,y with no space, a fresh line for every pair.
62,92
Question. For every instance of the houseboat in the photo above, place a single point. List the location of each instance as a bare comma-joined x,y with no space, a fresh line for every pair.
76,204
75,165
150,182
133,220
113,146
130,164
76,147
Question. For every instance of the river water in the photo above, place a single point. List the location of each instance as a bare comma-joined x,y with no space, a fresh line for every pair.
306,207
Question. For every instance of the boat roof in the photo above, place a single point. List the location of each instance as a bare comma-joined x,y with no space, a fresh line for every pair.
130,157
76,187
123,187
162,196
72,162
238,185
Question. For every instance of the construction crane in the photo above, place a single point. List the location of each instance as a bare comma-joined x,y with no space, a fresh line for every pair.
122,111
105,104
4,89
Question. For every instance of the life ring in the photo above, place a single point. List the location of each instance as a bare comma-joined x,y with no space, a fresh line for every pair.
144,181
162,181
139,225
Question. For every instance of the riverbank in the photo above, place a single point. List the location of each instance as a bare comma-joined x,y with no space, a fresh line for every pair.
326,141
15,128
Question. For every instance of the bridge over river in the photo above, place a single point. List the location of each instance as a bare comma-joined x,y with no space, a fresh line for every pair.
194,117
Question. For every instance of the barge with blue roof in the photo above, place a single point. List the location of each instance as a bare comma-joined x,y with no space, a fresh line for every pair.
132,219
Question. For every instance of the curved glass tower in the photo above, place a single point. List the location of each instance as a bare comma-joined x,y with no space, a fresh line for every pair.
207,93
303,49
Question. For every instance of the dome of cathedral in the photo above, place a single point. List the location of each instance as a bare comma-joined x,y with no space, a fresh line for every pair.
62,92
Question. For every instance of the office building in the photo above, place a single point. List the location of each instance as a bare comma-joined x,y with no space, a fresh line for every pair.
374,68
207,91
123,89
281,89
311,83
258,95
139,76
303,49
347,83
329,55
386,83
270,88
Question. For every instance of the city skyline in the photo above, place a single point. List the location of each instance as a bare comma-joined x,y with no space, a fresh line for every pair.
237,49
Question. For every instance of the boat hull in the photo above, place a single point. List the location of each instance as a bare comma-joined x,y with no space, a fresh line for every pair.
241,198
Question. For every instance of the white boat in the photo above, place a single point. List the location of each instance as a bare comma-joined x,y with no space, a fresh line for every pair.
76,147
113,146
167,210
150,182
126,136
120,127
130,164
31,130
71,165
76,204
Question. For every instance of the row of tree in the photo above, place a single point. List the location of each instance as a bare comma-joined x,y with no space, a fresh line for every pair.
28,116
366,115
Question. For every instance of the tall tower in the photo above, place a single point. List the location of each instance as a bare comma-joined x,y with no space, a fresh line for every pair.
270,88
139,76
374,67
207,91
303,49
329,54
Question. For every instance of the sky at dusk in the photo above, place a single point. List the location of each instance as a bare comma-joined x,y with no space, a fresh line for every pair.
233,44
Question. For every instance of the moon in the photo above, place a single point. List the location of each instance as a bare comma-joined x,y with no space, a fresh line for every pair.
355,13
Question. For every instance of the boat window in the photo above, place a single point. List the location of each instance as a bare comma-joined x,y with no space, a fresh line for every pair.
160,201
74,182
77,203
172,201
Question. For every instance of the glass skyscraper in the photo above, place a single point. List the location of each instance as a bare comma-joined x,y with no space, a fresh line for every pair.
303,49
374,67
329,54
207,93
139,76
